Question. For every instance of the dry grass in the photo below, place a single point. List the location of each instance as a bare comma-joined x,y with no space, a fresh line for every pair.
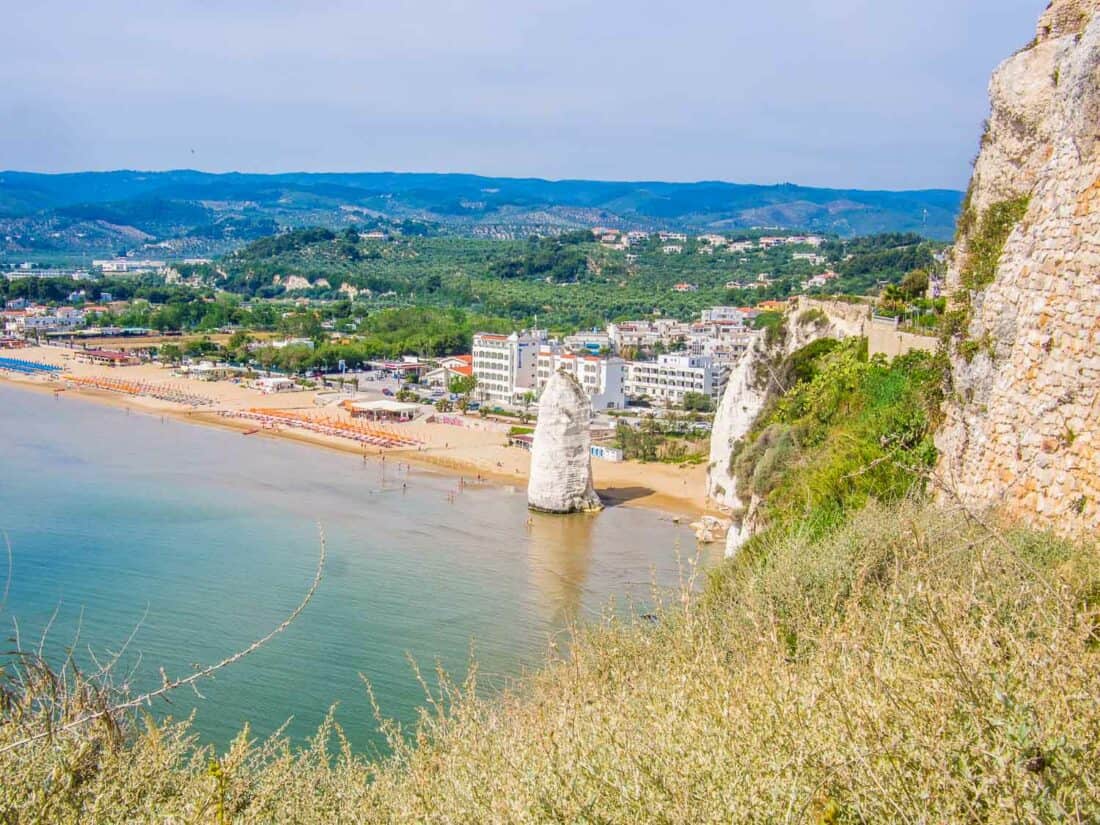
913,667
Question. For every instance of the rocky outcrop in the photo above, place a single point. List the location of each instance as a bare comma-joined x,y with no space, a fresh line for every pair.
561,460
743,399
751,383
813,318
710,529
1021,426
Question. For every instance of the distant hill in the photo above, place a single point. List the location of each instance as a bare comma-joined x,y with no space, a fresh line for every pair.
69,208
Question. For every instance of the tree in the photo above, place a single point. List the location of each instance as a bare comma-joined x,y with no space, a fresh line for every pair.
463,385
697,402
239,339
914,284
170,353
528,399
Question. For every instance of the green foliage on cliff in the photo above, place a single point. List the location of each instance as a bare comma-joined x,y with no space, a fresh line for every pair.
984,248
849,429
984,242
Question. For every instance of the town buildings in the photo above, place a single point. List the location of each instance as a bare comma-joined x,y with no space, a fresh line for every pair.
505,365
673,375
659,360
450,368
128,265
603,379
738,315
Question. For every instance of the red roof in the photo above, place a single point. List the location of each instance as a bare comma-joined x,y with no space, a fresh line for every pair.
108,355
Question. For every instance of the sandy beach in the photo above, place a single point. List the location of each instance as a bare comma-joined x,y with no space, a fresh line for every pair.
472,449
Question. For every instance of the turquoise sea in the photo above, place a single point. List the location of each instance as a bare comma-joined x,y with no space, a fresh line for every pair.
203,540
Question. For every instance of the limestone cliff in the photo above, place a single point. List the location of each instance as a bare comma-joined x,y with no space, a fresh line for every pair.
1021,427
752,382
561,461
742,400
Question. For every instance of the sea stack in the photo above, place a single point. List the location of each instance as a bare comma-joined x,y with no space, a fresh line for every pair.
561,459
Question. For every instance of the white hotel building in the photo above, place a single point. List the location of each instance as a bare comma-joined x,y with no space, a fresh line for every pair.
505,365
672,376
603,379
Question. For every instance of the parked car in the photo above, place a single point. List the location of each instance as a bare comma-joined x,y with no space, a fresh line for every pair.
387,391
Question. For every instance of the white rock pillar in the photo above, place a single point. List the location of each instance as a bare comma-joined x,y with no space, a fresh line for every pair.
561,460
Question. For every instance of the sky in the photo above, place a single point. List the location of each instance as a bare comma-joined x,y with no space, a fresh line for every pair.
886,94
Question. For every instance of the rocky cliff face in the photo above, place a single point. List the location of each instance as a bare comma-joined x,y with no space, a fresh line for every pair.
751,383
1021,428
561,461
742,400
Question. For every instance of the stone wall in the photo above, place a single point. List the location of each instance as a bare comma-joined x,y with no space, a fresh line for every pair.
843,319
1021,428
884,338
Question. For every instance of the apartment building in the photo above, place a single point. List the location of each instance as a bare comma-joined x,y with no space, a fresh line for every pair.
667,332
723,341
593,342
505,365
603,379
672,376
740,315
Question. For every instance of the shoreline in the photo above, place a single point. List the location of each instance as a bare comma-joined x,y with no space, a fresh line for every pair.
618,484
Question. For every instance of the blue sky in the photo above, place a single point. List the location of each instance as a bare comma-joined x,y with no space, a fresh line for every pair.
854,93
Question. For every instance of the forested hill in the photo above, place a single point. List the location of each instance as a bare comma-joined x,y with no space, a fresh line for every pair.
229,207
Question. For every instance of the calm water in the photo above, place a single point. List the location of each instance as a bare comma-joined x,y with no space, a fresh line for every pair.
208,539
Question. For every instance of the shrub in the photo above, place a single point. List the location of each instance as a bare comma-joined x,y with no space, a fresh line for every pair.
850,429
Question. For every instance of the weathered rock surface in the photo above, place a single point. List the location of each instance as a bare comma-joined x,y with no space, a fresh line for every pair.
841,320
750,385
710,529
1021,428
561,461
742,400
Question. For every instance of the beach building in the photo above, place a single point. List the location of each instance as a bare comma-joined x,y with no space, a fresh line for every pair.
606,453
209,371
384,409
673,375
505,365
408,367
603,379
273,384
107,357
